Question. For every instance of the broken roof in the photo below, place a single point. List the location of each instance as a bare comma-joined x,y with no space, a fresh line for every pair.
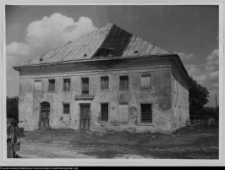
105,43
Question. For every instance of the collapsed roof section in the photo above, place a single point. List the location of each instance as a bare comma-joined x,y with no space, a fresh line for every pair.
107,42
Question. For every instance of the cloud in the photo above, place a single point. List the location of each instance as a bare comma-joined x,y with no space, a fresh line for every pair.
48,33
200,78
184,56
196,73
207,73
42,36
215,85
212,61
210,67
214,75
192,69
213,56
17,49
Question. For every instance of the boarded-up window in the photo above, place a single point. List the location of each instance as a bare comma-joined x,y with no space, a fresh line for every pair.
66,108
123,112
104,111
85,85
105,83
146,81
124,82
37,85
146,113
51,85
66,84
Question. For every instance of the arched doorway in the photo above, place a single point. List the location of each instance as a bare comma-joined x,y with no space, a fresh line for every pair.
44,115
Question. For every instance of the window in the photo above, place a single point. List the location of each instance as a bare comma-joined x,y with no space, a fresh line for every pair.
123,112
37,85
105,83
146,113
123,82
51,85
66,108
66,84
85,85
146,81
104,112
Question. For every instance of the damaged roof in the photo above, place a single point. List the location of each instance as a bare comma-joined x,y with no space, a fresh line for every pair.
105,43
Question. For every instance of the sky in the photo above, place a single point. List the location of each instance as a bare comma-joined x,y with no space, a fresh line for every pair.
191,31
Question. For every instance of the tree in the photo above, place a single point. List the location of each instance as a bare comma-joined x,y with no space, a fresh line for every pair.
12,107
198,97
210,112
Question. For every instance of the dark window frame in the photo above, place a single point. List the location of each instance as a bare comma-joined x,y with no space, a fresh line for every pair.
85,90
65,88
45,106
146,113
104,112
122,85
50,87
105,84
66,110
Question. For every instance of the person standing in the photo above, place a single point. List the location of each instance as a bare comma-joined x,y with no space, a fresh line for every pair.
13,133
21,125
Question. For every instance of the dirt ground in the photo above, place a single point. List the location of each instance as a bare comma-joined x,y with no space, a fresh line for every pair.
187,143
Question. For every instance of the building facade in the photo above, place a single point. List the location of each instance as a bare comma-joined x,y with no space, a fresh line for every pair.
106,80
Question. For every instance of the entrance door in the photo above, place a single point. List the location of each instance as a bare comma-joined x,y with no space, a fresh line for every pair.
84,116
44,115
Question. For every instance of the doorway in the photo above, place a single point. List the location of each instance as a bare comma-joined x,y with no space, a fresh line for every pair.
85,116
44,115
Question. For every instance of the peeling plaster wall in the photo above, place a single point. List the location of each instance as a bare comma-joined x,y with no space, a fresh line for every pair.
180,103
159,96
26,103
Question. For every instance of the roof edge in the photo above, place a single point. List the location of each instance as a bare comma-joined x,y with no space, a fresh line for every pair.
92,60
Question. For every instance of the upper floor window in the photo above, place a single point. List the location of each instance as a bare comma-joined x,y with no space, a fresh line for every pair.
146,81
66,84
85,85
51,85
37,85
104,83
124,82
66,108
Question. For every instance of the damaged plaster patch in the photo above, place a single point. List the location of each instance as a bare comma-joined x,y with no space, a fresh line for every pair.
133,115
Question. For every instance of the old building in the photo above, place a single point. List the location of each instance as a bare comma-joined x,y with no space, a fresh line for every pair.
106,80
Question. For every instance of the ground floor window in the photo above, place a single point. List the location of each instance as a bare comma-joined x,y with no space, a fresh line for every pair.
66,108
146,113
123,112
104,111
